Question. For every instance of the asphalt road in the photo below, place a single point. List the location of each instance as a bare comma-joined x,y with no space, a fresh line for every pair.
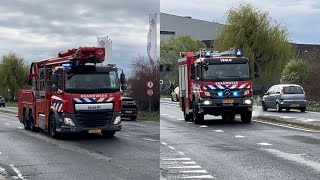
132,154
232,150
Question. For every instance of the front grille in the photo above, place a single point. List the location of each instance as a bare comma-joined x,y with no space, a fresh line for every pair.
94,119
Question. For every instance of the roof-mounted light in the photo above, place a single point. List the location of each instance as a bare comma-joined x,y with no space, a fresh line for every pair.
239,53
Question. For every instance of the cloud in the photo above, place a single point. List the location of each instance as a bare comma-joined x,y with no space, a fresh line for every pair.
39,29
300,16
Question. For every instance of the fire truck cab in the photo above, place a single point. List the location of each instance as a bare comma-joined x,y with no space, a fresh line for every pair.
72,94
215,83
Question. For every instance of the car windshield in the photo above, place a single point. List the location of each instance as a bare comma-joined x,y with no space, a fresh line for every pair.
91,82
227,71
293,90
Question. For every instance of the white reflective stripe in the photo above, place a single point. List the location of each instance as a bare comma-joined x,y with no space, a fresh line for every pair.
220,87
233,86
101,100
212,87
110,99
54,105
60,107
94,106
242,86
249,87
56,97
87,99
77,100
205,88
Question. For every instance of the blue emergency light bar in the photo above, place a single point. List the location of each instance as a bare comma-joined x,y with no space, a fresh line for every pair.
224,53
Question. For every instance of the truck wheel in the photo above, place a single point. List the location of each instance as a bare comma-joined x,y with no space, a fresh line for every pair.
108,133
25,121
198,118
31,124
52,127
187,117
246,116
133,118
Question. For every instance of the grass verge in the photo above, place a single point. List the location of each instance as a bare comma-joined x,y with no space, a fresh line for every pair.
149,116
12,104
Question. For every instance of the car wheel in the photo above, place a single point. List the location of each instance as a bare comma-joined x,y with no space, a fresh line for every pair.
171,98
177,98
278,108
303,109
264,107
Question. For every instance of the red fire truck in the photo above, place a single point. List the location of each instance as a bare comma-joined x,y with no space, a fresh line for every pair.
72,93
215,83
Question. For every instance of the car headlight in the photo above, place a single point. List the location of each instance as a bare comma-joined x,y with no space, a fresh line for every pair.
117,120
68,121
247,101
206,102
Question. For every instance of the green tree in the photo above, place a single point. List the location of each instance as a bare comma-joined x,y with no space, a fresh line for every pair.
170,48
13,71
262,40
297,71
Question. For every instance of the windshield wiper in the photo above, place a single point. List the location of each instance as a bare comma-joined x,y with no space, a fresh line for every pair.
238,77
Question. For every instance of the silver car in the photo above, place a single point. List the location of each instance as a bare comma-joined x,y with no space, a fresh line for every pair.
2,101
284,96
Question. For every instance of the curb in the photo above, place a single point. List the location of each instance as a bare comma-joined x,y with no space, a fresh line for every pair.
290,121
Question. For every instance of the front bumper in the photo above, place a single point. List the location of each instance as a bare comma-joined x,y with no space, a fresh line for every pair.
218,107
293,104
129,112
88,125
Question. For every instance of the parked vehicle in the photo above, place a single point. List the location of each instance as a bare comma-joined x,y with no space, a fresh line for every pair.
175,94
129,108
285,96
2,102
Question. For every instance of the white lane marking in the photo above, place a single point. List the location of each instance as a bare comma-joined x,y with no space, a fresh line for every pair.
194,171
7,124
264,144
218,130
280,125
239,136
198,177
18,172
203,126
189,162
164,143
180,119
189,122
149,139
20,127
181,153
177,159
171,147
185,167
296,158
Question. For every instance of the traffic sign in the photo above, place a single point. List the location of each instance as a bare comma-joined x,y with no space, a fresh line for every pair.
150,84
150,92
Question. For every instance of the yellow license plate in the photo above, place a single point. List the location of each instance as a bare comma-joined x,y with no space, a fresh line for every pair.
295,105
227,101
95,131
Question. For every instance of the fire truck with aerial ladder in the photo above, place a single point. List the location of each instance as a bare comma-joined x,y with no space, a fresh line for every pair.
215,83
72,93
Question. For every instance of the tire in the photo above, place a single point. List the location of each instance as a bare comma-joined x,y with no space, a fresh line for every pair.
187,117
264,107
177,98
198,118
171,98
108,133
25,121
133,118
278,108
303,109
246,116
287,109
31,124
228,117
4,105
52,128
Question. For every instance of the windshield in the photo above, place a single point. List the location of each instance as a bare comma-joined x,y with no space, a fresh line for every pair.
227,71
92,82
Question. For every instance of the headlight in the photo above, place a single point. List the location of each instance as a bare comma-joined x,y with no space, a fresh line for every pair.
206,93
68,121
246,92
206,102
117,120
247,101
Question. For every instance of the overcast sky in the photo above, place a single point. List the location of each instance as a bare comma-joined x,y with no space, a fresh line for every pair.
300,16
37,29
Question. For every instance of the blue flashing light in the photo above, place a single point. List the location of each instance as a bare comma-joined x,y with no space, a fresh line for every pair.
235,93
220,93
67,65
239,52
208,53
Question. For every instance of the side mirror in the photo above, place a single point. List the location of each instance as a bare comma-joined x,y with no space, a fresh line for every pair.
54,88
54,79
123,87
122,78
192,76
